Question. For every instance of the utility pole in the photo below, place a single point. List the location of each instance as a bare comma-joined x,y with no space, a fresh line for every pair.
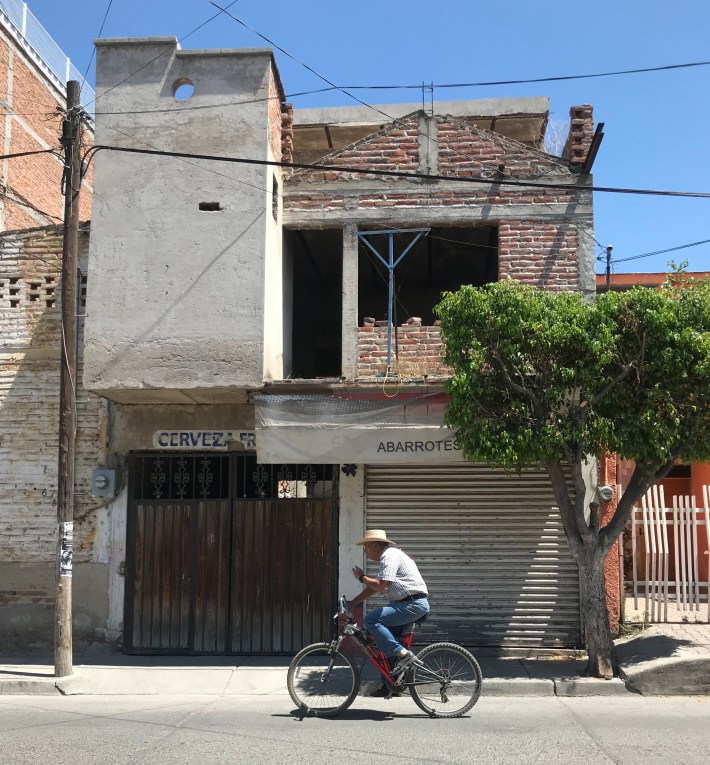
609,248
71,141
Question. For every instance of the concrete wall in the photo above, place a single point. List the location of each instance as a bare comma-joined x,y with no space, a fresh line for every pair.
186,287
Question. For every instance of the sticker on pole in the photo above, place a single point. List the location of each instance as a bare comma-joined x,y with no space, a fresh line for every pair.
67,550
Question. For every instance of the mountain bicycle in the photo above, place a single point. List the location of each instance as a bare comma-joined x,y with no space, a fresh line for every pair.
444,680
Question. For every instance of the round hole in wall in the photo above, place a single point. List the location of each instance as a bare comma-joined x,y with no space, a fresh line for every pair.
183,89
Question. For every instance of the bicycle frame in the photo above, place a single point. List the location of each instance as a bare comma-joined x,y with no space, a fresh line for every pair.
369,648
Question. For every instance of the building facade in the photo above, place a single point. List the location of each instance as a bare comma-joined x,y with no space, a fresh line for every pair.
263,365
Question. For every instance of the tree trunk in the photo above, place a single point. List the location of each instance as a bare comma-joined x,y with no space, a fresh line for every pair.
595,618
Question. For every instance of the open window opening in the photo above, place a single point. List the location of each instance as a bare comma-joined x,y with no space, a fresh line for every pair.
313,303
444,260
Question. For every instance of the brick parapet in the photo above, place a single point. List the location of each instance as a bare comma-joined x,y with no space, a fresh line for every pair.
581,132
286,132
417,351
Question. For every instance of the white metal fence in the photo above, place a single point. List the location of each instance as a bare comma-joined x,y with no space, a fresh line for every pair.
41,48
670,554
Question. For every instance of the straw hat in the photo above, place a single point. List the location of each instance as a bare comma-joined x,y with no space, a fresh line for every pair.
376,535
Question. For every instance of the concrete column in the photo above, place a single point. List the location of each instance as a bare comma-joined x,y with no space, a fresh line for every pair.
586,252
349,321
428,145
351,528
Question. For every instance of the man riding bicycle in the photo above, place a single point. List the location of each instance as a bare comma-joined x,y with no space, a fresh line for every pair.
399,578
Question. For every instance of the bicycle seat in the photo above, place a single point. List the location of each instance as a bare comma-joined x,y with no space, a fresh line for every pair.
408,628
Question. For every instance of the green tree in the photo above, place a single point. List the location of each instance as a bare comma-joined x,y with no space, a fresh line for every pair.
542,378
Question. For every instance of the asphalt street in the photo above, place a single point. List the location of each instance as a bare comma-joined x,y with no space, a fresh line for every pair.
195,730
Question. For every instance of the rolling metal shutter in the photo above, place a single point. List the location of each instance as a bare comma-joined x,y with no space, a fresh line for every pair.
490,547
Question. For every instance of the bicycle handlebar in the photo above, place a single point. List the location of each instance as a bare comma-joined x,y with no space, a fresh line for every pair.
343,608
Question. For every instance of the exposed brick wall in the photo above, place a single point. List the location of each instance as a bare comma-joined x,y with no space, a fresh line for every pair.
34,106
467,150
4,67
540,254
286,132
416,197
274,111
581,132
392,148
35,101
36,179
419,350
30,265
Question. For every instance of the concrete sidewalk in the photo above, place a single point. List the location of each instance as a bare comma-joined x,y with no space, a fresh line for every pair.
664,659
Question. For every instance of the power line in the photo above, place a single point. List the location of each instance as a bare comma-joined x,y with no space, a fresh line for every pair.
193,164
345,91
12,197
401,174
93,51
661,252
28,153
560,78
301,63
332,87
162,53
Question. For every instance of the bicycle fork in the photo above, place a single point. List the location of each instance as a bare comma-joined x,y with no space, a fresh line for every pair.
334,646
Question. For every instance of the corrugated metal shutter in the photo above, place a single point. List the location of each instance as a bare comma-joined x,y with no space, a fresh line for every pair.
490,547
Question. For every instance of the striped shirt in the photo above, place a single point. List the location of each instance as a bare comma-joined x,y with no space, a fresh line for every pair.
397,568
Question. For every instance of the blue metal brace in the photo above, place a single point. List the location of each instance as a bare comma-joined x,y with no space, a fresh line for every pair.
390,264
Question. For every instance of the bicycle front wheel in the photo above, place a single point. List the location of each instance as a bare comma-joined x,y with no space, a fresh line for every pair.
445,681
321,681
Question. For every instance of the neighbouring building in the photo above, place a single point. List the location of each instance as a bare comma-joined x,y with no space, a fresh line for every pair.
33,76
253,394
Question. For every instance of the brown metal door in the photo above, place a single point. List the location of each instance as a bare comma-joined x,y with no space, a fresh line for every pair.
159,578
207,573
283,557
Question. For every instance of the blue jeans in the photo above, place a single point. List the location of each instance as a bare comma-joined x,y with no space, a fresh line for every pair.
394,615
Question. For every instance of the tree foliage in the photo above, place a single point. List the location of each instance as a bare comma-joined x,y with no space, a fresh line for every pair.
552,379
541,375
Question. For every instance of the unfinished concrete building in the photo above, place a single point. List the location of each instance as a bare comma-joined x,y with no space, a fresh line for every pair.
263,338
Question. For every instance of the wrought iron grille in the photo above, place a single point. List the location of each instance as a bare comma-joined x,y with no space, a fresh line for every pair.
208,476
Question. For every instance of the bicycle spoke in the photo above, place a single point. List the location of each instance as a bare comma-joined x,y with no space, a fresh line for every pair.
448,681
322,682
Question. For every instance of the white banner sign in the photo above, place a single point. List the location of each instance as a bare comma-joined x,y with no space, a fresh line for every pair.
361,445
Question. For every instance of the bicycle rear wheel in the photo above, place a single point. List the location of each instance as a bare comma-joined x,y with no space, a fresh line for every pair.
445,681
321,681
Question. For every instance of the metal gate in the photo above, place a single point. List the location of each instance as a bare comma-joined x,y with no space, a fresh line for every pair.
228,556
491,548
670,546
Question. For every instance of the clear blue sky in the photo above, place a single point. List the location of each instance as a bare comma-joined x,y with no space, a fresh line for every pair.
657,125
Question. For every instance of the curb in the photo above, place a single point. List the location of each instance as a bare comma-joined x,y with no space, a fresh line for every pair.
46,687
590,686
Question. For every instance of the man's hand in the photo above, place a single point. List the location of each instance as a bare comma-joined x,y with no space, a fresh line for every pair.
357,572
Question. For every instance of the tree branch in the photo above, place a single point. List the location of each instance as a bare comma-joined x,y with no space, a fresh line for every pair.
520,389
567,511
607,388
